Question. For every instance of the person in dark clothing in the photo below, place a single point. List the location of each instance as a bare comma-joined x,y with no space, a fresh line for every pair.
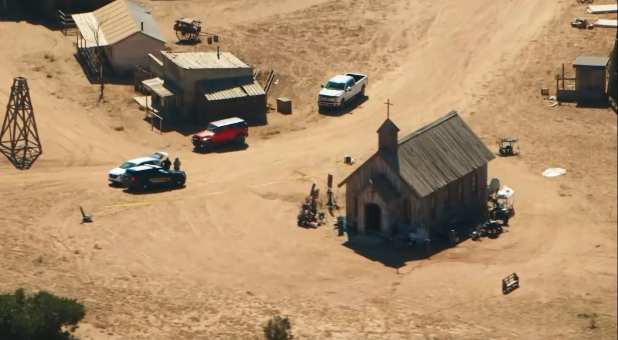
176,164
166,163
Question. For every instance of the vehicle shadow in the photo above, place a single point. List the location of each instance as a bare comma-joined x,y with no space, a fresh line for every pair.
232,147
153,191
188,129
349,107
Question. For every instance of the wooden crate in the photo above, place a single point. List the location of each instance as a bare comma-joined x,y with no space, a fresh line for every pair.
284,105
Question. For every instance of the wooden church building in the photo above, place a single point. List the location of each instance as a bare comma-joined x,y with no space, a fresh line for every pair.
429,181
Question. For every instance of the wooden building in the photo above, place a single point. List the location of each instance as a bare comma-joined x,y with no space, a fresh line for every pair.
432,179
590,78
125,31
200,87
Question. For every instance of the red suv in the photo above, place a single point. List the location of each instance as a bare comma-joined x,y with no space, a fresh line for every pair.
221,132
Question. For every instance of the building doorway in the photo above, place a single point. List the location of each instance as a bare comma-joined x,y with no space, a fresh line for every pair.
373,218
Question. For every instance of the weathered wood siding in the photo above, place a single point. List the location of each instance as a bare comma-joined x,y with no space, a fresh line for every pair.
455,207
125,55
356,198
461,201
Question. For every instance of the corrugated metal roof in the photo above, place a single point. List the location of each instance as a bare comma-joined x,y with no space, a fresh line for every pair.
204,60
591,61
157,85
239,91
234,92
116,22
254,89
440,153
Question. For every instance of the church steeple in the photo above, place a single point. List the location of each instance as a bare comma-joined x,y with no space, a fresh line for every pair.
388,138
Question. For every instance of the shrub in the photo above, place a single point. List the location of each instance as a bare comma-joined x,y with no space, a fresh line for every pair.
41,316
278,328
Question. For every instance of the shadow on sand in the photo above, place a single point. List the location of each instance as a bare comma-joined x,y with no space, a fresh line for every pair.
351,105
393,253
20,15
153,191
188,130
231,147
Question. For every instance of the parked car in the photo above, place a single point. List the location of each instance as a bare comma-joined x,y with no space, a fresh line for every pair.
146,177
221,132
340,89
115,176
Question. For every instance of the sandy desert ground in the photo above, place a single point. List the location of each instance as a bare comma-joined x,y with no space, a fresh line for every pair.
218,258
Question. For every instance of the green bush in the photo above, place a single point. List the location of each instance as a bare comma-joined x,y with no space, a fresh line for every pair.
41,316
278,328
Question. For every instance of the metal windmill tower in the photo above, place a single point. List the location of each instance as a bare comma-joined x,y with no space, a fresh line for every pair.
19,138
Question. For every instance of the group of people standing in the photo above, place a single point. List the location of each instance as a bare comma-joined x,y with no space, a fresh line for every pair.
166,163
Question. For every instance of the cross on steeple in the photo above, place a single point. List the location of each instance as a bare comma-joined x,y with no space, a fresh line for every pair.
388,108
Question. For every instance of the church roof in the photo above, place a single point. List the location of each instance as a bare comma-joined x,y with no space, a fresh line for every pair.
388,124
440,153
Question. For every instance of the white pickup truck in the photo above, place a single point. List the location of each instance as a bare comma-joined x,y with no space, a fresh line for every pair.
340,89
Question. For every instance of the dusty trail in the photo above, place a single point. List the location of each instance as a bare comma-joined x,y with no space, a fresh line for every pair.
222,254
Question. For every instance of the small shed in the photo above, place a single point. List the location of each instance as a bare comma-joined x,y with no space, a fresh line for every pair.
590,78
125,31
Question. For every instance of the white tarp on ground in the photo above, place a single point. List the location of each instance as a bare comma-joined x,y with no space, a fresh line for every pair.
554,172
611,23
598,9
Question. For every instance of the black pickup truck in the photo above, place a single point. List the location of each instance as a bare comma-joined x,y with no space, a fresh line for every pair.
145,177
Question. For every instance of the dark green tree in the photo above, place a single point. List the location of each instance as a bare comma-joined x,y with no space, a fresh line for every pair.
278,328
41,316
